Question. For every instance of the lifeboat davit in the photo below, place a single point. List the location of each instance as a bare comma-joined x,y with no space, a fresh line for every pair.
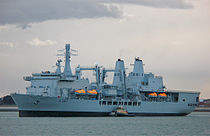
153,94
162,95
92,92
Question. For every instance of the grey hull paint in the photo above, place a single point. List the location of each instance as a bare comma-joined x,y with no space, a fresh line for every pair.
35,106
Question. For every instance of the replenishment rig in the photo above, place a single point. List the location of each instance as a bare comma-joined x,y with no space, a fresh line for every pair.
66,94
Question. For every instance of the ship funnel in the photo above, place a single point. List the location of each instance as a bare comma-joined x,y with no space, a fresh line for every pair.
67,69
138,67
119,69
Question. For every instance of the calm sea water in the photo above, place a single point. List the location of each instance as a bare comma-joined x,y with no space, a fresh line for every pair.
197,123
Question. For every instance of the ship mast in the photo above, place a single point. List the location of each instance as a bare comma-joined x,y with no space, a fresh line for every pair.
67,69
58,64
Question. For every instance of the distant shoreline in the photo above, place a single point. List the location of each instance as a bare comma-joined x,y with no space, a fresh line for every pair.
7,105
202,109
13,108
8,108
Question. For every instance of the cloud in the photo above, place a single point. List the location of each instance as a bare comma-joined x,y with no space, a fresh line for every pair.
24,12
177,4
38,42
7,44
3,54
23,26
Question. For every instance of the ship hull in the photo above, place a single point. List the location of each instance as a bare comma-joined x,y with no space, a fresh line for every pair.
86,114
61,114
43,106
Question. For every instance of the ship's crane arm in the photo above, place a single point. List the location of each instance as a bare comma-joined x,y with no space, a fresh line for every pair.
96,69
103,73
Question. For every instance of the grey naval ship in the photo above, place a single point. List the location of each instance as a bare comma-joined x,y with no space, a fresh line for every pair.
64,94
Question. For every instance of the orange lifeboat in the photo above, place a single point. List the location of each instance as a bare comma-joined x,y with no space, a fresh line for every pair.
162,95
80,91
153,94
94,92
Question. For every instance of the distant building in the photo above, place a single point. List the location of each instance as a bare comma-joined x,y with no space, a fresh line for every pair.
204,103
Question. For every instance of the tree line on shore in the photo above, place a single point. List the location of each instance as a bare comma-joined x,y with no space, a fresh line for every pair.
6,100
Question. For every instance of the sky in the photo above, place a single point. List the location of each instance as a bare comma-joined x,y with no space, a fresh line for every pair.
172,37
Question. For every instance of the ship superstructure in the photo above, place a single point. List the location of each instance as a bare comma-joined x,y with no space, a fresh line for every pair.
66,94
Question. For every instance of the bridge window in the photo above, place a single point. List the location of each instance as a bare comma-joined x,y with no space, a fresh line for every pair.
134,103
104,102
197,99
109,103
183,100
114,103
129,103
176,99
139,103
125,103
